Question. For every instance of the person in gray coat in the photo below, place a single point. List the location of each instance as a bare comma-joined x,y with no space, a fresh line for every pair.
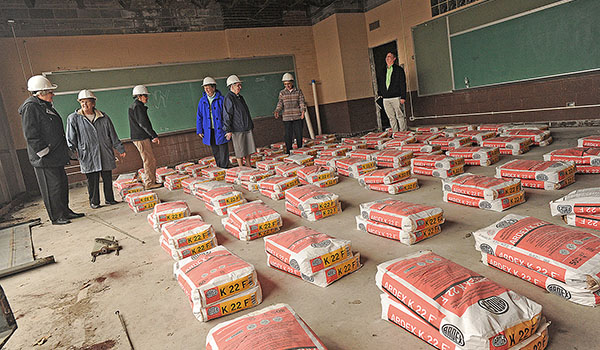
91,133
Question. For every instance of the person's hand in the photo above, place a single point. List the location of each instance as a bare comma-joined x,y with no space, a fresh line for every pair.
402,100
276,115
201,136
123,155
302,115
156,141
228,136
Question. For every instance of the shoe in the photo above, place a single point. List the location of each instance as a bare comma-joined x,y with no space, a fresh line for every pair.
113,202
61,221
95,206
74,215
153,186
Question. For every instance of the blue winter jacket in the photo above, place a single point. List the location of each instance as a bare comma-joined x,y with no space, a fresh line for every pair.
203,119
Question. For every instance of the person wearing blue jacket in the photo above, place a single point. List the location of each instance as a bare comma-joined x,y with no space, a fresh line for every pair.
209,122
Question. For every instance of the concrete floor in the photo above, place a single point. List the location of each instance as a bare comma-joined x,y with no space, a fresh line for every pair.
72,302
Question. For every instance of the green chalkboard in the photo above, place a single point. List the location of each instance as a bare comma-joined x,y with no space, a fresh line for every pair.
432,57
172,105
557,40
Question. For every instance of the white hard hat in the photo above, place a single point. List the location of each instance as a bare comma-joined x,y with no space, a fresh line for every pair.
209,81
39,83
287,77
232,79
83,94
140,90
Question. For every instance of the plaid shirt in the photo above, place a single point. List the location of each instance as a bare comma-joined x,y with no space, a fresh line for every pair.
292,103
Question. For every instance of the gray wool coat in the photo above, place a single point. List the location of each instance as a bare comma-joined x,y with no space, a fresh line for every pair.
94,141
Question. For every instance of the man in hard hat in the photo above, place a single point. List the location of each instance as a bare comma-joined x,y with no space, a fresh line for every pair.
91,133
209,122
237,122
143,135
392,87
47,148
291,103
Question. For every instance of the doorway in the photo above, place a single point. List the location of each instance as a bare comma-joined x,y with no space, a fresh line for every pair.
377,56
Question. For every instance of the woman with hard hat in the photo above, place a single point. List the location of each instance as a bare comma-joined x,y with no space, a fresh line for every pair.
47,148
143,135
91,133
237,122
290,107
209,122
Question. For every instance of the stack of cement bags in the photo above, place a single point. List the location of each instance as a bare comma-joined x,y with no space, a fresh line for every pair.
322,176
173,182
354,167
498,128
392,181
364,154
421,149
587,159
311,255
406,222
126,184
477,136
268,164
220,199
218,283
186,237
195,170
508,144
163,172
274,327
438,166
232,174
483,192
249,179
589,141
311,202
579,208
452,307
536,136
287,169
564,261
189,183
142,200
308,151
299,159
482,156
448,143
393,158
252,220
214,173
274,187
200,188
550,175
166,212
182,168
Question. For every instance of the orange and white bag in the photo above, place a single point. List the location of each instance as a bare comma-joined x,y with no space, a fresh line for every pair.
142,200
435,172
274,327
173,182
300,159
355,167
187,231
393,158
233,174
333,152
577,155
200,188
314,215
447,143
195,170
364,154
582,201
410,217
486,187
214,173
534,135
327,182
591,221
328,161
268,164
163,172
589,141
315,173
420,148
222,197
407,185
395,233
276,196
550,171
310,198
508,145
398,142
493,127
128,188
568,255
479,153
168,211
499,204
477,135
437,161
548,185
187,251
254,219
305,151
278,183
287,169
385,176
469,310
307,250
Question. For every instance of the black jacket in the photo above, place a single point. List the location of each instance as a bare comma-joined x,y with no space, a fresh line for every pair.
397,83
236,115
44,132
140,127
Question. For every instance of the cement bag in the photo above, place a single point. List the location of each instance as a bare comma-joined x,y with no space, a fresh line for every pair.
221,197
352,147
429,128
577,155
195,170
400,315
398,142
486,187
353,140
582,201
255,175
287,169
508,145
187,251
328,161
277,156
333,152
396,188
142,206
583,220
242,301
475,152
548,185
141,197
477,135
232,174
321,278
213,173
187,231
468,309
493,127
243,235
299,159
578,296
222,211
130,188
324,146
315,215
315,173
305,151
365,154
552,171
278,145
307,250
326,182
377,134
324,138
248,185
168,211
425,138
173,182
499,204
588,169
181,168
189,184
278,183
545,142
208,160
355,167
409,217
528,127
482,162
254,218
395,233
122,183
310,198
269,164
438,161
393,158
534,135
385,176
420,147
257,331
568,255
461,127
272,194
126,176
441,173
589,141
163,172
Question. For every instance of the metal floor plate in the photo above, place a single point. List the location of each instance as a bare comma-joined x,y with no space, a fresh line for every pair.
16,247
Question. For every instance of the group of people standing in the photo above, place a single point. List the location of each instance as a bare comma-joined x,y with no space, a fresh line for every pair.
91,137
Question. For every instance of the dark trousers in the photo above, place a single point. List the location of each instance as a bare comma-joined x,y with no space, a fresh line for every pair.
220,152
93,184
54,187
293,130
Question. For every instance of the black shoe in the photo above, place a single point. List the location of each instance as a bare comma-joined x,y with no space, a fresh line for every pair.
61,221
74,215
113,202
95,206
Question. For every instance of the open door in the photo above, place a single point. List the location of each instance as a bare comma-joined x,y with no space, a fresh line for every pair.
377,56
